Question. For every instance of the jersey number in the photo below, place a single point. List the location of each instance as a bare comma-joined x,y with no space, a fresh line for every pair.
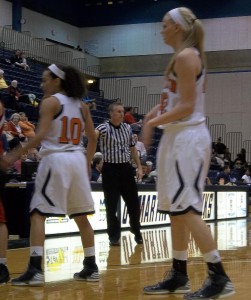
75,131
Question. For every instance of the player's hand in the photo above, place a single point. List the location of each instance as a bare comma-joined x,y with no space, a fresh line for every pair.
139,174
152,113
10,158
4,164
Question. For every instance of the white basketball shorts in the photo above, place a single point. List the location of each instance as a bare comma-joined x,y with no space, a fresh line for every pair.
182,162
62,185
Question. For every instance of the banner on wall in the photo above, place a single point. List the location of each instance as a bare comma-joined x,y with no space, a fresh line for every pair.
208,209
57,225
149,214
227,205
231,204
232,235
63,256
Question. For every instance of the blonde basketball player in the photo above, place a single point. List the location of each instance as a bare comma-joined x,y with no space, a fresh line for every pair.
183,157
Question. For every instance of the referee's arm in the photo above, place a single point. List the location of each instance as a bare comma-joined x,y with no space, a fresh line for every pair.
135,156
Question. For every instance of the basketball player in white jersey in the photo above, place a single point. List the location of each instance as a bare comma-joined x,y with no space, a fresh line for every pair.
183,157
62,182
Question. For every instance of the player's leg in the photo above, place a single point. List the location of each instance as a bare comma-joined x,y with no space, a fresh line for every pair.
90,270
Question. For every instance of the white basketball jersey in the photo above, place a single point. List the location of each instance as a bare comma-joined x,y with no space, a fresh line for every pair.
172,95
66,132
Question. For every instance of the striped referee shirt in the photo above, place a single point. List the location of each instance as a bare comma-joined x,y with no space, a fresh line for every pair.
115,142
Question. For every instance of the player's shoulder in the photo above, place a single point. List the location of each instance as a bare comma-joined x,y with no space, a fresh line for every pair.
187,53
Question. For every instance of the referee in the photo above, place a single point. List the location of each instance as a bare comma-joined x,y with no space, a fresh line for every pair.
117,145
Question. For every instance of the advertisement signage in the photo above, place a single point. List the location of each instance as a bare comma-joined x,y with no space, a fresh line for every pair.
226,204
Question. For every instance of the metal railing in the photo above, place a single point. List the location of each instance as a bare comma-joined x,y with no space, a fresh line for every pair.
48,52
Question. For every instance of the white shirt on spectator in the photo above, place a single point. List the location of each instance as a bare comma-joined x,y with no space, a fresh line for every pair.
140,148
246,179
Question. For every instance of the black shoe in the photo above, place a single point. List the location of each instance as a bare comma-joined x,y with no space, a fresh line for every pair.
174,283
32,277
90,271
114,242
4,274
216,286
138,238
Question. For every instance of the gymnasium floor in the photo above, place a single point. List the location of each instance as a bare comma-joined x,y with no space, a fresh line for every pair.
125,270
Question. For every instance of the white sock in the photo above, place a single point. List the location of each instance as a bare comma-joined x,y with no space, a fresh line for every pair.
3,260
212,257
180,255
36,251
89,251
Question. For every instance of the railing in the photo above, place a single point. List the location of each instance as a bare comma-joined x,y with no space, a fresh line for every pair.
48,52
218,130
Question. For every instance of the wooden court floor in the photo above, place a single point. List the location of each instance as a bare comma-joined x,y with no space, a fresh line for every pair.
125,270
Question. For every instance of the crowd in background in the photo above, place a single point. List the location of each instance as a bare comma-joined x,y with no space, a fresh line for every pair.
224,169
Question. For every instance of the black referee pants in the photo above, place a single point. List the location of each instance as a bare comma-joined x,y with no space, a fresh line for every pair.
118,180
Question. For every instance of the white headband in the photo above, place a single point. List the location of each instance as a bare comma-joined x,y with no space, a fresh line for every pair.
178,18
55,70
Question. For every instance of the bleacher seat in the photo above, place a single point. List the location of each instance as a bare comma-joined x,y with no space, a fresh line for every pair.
8,113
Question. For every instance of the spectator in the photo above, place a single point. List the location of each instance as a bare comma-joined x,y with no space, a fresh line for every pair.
238,164
27,127
16,95
149,165
246,178
24,64
208,181
19,60
117,145
238,170
78,48
227,158
129,119
220,148
3,84
154,174
216,163
241,157
97,165
144,171
34,100
14,127
33,154
140,147
12,141
97,154
224,176
16,59
146,178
